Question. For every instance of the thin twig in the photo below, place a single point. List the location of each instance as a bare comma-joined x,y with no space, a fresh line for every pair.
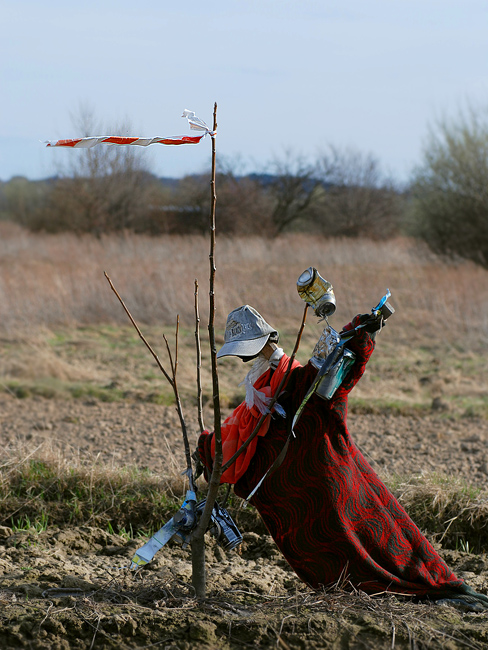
216,473
227,495
170,356
168,378
51,605
95,633
199,361
176,342
171,380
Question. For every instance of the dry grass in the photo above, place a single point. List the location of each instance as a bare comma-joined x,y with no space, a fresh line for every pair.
385,622
48,486
124,612
44,485
453,513
57,280
64,333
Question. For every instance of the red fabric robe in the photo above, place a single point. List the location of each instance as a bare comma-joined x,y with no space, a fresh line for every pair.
327,510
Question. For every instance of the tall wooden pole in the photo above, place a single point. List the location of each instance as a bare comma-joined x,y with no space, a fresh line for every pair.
211,327
199,580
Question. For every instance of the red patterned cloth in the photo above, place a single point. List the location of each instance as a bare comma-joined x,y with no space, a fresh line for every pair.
327,510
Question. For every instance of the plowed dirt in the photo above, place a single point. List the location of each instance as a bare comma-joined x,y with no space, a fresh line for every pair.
66,588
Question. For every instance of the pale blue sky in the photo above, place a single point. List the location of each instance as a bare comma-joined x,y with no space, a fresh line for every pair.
286,74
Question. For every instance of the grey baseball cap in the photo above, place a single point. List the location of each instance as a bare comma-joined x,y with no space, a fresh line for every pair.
246,333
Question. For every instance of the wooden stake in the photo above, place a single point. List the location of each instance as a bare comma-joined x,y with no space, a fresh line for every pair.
198,537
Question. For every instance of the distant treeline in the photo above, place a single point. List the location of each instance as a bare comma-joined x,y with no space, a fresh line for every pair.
265,204
342,193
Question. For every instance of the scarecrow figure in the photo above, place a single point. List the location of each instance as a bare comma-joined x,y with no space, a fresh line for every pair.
330,515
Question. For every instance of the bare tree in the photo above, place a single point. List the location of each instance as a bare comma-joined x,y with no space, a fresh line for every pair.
357,199
198,535
101,189
190,205
244,205
294,187
199,579
245,208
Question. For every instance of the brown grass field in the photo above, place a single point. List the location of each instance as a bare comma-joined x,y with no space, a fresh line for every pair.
93,454
62,327
57,280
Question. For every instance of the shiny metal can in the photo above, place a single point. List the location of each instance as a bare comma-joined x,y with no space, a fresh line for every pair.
316,292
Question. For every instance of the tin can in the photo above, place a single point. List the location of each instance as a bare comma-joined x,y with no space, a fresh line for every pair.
316,292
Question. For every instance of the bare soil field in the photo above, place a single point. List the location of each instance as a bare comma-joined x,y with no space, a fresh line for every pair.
66,588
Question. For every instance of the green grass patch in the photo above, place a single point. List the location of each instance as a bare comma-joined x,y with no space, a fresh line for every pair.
39,492
23,522
111,363
103,393
474,407
51,388
380,405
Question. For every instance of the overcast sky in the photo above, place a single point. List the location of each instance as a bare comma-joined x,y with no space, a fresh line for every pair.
286,75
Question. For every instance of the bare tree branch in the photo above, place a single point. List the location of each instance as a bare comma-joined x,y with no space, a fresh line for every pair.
199,361
171,380
139,331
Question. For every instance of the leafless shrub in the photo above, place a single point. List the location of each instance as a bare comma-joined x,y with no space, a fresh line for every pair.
293,186
357,199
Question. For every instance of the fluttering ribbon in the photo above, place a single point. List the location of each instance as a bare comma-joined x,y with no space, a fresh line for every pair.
196,124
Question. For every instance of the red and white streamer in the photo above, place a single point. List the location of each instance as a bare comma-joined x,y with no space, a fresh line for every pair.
195,123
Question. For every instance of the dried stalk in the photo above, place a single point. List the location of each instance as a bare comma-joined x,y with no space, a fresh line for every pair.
170,378
199,361
198,538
